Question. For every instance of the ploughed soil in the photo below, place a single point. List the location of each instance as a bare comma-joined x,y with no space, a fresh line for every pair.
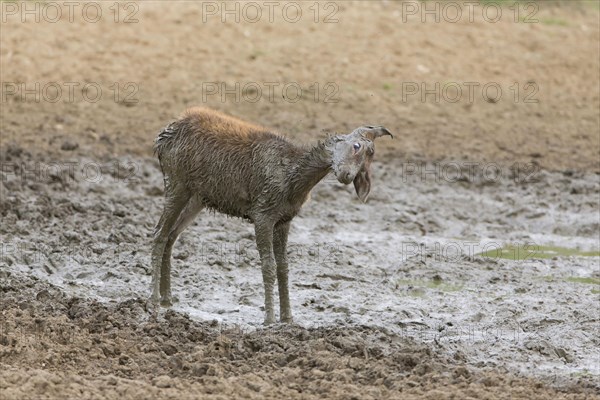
57,346
472,272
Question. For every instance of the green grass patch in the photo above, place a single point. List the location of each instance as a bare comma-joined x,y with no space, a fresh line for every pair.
583,374
532,251
587,281
507,2
575,279
419,287
554,21
594,4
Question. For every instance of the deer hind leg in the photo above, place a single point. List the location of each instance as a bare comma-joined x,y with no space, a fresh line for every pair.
175,200
186,217
280,238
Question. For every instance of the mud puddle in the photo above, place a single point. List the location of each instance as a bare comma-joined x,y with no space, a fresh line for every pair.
502,272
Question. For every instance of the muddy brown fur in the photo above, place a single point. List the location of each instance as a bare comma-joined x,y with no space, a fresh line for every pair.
211,160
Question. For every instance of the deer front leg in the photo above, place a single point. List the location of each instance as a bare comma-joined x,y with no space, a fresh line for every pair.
264,242
280,237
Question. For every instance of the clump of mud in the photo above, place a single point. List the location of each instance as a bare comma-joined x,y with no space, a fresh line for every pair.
59,346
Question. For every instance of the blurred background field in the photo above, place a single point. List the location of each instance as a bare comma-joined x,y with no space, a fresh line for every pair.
359,63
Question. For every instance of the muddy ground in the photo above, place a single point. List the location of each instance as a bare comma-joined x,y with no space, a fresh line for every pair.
468,283
472,272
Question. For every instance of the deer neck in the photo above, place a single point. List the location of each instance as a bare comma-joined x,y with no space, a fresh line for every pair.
311,167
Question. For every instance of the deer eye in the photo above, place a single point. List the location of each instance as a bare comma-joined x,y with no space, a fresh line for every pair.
356,146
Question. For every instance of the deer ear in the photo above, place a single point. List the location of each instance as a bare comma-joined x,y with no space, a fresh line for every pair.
362,183
373,132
